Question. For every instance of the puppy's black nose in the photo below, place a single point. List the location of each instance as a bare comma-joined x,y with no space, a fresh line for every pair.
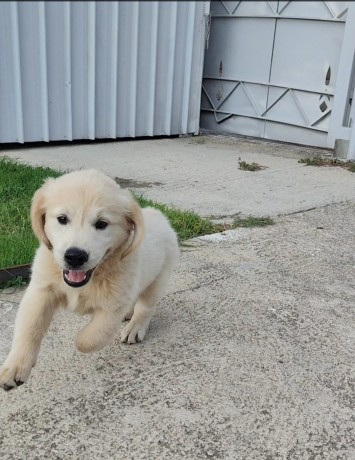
76,257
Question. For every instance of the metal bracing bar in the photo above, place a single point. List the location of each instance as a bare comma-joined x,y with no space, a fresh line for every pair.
273,85
250,98
330,9
303,113
255,117
276,16
283,8
236,7
275,102
228,95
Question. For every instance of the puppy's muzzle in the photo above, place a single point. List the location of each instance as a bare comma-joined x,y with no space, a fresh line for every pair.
75,258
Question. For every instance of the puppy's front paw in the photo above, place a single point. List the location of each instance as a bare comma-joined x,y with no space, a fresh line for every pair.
134,331
15,373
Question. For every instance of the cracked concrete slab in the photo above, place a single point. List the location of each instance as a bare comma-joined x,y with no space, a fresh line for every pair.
250,355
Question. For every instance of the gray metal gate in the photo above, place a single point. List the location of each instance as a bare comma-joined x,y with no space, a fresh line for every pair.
271,67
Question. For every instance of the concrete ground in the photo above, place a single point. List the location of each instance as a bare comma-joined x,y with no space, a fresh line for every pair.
250,354
202,173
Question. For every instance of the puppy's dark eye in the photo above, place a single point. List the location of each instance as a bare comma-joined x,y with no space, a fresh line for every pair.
101,224
63,220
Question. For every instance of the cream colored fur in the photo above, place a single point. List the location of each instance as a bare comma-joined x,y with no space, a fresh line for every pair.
132,258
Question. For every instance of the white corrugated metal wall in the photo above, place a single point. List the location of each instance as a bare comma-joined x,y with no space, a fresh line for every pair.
86,70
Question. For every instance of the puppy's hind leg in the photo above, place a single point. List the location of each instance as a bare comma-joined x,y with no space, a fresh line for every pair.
136,329
100,331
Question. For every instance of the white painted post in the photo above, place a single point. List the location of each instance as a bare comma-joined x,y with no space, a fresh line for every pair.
337,130
351,148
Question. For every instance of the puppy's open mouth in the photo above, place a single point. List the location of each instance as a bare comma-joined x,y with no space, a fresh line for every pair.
77,278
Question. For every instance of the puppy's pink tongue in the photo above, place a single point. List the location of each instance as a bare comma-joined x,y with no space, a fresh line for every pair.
76,276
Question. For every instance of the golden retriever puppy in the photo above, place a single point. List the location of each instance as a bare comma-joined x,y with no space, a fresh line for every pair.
100,254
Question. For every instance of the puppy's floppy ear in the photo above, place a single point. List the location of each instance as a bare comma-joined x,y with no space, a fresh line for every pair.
136,224
38,213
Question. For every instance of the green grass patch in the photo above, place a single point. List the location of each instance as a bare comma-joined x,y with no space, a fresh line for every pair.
319,161
197,140
18,182
252,222
187,224
244,166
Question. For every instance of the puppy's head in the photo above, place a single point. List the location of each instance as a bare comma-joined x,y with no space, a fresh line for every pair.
82,217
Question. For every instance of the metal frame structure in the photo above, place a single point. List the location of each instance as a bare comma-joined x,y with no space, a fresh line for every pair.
240,95
342,121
